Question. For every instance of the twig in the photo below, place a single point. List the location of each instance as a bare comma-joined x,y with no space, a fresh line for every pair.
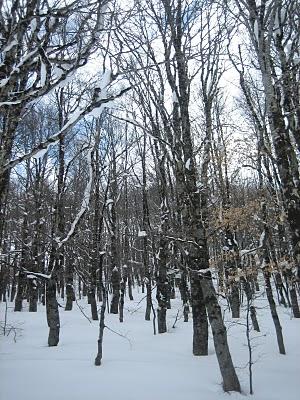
5,316
154,317
119,334
143,298
176,319
80,308
132,311
8,329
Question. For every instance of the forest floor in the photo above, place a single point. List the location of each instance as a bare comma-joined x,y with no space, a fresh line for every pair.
141,366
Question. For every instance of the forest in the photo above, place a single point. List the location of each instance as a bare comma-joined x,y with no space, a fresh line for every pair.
149,199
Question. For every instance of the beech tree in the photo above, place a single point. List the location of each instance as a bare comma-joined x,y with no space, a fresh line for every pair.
273,29
42,45
154,190
175,23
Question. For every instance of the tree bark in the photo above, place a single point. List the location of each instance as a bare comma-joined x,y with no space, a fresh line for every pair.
230,379
52,313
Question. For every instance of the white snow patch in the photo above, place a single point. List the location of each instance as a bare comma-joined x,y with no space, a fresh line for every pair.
188,164
262,238
255,30
174,97
106,79
33,25
142,234
10,45
40,154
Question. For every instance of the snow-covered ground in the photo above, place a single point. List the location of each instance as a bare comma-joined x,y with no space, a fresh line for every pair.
141,366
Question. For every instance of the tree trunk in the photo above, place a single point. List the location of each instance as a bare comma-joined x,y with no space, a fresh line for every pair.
115,283
274,314
98,358
230,379
52,313
200,324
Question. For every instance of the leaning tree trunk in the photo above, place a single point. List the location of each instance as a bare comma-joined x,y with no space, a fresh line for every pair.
202,289
272,305
267,276
230,379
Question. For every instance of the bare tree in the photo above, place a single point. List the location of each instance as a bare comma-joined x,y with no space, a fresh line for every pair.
42,45
273,29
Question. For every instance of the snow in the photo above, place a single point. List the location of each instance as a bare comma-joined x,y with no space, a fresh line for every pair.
105,79
10,45
256,30
85,201
188,164
262,238
142,234
40,154
36,274
141,366
16,70
33,24
43,73
26,57
244,252
174,97
58,72
3,82
104,83
96,112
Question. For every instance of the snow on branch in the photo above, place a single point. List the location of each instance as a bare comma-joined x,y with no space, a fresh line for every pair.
95,108
142,234
31,274
85,201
